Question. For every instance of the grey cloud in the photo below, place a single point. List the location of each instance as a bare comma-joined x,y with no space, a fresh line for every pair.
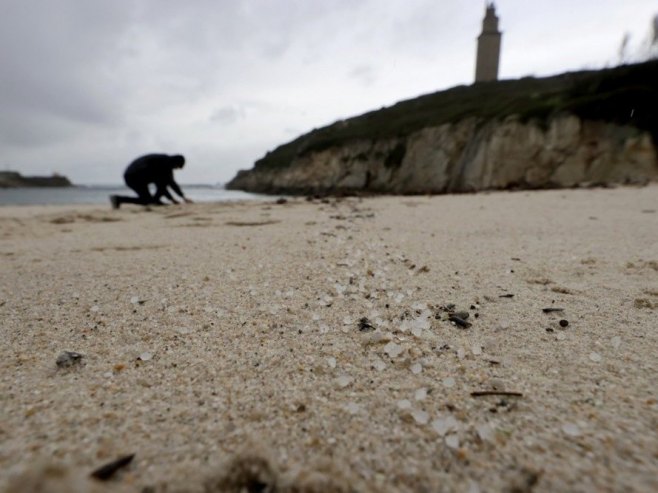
227,115
52,64
213,28
30,130
232,113
93,61
366,74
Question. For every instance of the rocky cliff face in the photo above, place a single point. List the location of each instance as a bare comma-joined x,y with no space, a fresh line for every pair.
470,155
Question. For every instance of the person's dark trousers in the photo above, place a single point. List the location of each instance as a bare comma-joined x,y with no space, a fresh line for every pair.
144,196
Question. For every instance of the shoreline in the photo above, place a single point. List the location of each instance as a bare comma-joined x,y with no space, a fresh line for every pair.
100,196
311,342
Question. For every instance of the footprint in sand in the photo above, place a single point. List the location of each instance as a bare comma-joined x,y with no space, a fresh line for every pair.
91,218
125,248
252,223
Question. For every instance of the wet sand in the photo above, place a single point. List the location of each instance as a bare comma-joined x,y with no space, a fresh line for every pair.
308,346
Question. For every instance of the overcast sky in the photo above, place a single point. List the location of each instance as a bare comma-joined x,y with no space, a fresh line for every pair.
88,85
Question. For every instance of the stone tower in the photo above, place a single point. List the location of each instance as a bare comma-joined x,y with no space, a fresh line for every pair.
488,55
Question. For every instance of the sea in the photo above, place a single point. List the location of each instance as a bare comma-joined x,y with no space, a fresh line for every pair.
99,194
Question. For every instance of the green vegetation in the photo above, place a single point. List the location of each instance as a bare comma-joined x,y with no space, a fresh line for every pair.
625,95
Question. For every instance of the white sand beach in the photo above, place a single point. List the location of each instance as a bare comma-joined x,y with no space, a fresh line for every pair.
307,346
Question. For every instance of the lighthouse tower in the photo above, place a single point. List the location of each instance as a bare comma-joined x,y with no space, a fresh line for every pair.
488,55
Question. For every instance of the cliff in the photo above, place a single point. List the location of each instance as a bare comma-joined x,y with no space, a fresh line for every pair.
12,179
595,127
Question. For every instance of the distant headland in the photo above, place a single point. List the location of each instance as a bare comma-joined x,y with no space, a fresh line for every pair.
13,179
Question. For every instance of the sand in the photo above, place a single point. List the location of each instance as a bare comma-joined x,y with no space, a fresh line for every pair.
306,346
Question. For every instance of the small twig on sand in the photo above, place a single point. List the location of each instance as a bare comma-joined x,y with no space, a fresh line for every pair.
482,393
108,470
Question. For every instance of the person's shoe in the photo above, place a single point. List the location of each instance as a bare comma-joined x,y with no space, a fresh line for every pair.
114,200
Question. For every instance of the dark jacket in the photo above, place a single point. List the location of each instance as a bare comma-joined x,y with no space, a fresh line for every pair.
153,168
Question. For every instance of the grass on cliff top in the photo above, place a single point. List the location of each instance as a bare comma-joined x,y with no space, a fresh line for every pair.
625,95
